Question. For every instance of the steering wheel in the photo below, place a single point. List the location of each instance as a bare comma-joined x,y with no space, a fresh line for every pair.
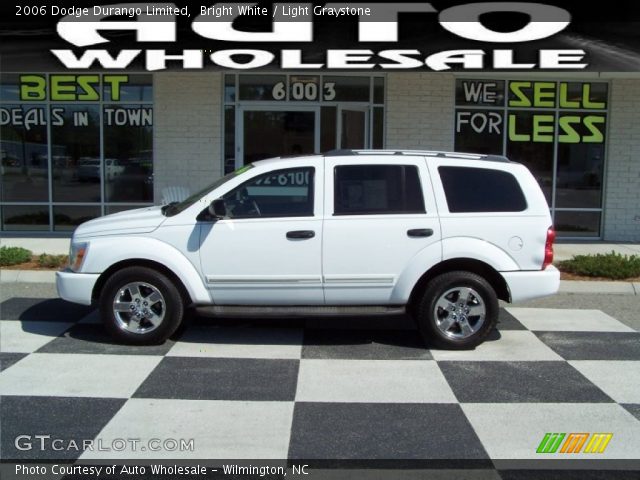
249,204
254,205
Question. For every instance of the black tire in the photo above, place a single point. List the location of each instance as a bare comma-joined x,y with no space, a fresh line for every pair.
172,306
428,320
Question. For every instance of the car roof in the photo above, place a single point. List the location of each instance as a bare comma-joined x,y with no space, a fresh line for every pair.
393,153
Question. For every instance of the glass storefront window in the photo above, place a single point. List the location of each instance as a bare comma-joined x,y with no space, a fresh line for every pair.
128,163
536,156
73,138
75,145
577,224
262,87
24,166
480,131
25,217
67,218
346,89
556,128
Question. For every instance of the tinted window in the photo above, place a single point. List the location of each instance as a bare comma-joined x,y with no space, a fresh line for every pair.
377,189
481,190
282,193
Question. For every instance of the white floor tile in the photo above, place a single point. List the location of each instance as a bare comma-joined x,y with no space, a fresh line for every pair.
27,337
565,320
618,379
77,375
219,429
514,430
514,345
400,381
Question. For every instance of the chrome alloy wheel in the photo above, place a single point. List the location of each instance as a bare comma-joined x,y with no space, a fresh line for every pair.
460,312
139,307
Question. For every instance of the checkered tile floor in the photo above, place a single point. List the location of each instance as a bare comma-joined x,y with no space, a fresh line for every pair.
319,389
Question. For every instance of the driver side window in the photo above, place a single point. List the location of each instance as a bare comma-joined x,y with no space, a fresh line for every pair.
281,193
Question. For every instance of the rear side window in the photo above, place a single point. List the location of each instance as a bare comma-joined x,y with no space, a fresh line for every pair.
481,190
377,189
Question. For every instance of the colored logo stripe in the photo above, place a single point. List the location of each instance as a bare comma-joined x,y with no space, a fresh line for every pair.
574,442
598,443
550,443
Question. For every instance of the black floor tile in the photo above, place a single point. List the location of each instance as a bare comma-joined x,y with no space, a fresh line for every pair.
8,359
221,379
382,431
65,418
593,345
364,344
42,310
510,382
93,338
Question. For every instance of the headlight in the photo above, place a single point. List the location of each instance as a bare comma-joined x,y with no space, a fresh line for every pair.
77,254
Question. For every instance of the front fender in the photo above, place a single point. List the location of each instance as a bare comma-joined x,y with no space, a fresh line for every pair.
107,251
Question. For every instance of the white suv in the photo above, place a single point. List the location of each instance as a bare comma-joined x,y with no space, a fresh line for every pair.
439,235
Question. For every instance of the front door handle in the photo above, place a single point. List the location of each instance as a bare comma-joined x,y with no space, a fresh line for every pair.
301,234
420,232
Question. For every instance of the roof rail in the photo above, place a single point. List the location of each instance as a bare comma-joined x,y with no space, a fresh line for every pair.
425,153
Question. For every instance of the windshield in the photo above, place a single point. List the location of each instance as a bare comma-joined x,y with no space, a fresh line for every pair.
175,208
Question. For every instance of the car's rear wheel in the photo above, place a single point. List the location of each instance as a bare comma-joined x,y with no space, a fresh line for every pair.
457,310
141,306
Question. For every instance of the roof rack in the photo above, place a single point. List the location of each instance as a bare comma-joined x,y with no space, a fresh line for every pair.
425,153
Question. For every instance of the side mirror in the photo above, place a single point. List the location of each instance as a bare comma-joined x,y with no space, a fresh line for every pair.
218,209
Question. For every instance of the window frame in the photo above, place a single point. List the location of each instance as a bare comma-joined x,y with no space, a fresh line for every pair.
310,194
423,211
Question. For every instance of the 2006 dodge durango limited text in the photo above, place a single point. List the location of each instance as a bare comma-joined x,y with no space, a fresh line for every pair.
439,235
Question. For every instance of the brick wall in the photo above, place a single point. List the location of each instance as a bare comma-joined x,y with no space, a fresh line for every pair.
622,201
187,130
420,111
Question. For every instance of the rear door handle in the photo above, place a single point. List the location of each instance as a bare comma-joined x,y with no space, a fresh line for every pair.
420,232
301,234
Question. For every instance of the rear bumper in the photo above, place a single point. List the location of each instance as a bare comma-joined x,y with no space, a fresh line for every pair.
76,287
533,284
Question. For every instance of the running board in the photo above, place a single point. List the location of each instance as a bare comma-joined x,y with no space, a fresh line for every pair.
298,311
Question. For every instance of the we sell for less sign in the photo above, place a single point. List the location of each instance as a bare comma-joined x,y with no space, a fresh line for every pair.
575,112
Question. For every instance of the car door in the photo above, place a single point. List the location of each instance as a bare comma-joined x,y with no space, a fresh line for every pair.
267,250
379,214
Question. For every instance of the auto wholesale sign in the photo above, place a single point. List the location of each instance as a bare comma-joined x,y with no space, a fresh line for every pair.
411,36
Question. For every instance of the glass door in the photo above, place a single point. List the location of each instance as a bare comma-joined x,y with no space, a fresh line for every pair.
266,132
353,127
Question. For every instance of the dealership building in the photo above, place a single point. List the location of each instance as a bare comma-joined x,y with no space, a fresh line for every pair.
77,146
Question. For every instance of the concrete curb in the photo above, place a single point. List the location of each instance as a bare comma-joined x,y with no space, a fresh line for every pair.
566,286
27,276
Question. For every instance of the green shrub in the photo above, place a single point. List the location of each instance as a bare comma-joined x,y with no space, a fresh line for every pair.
611,265
51,261
14,256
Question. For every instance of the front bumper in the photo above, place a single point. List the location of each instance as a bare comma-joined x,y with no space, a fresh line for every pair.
76,287
532,284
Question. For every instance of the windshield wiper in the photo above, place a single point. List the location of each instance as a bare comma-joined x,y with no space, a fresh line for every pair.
170,208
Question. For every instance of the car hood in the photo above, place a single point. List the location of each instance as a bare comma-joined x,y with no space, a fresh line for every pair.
140,220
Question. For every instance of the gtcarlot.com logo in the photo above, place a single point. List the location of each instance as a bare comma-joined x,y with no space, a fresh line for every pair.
49,443
574,442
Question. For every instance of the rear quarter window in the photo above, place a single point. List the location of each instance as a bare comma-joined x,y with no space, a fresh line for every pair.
473,190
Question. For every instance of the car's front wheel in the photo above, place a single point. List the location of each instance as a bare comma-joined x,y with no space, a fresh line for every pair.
141,306
457,310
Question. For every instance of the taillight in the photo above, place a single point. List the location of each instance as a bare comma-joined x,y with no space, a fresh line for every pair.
548,248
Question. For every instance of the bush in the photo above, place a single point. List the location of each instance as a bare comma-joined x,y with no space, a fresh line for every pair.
14,256
52,261
610,265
